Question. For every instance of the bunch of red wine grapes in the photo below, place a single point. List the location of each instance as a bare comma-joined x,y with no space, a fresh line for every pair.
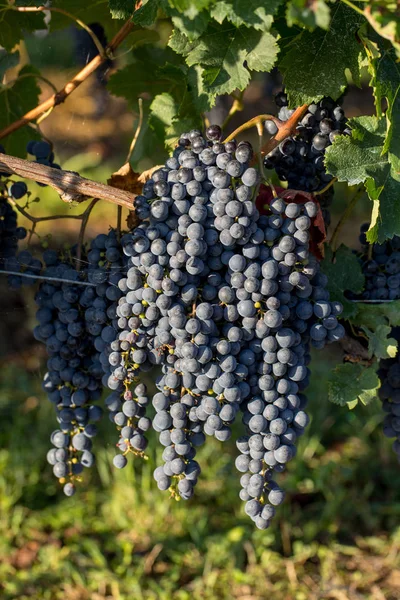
223,302
10,233
299,159
380,264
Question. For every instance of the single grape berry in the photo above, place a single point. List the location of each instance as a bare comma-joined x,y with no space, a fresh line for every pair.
214,132
18,189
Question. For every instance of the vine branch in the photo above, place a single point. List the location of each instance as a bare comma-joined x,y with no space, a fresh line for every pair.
70,186
69,87
254,122
84,221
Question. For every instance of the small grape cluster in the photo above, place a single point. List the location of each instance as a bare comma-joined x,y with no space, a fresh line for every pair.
10,233
380,265
389,393
107,320
299,159
73,380
20,262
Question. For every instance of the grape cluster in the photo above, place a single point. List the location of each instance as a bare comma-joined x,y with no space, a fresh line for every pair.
73,381
107,320
23,262
299,159
380,265
389,393
227,302
10,233
299,314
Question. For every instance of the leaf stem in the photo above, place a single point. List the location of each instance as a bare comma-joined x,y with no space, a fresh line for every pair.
326,188
254,122
137,132
354,7
85,219
236,107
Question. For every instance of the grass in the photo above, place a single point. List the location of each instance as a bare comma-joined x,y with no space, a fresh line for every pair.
120,538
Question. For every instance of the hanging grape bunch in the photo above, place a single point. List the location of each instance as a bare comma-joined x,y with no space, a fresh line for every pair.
225,300
10,233
380,264
299,159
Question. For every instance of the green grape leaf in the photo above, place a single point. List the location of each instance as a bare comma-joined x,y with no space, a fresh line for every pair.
385,218
121,9
163,110
377,314
383,17
221,11
147,13
134,80
263,54
7,61
148,150
165,119
354,159
187,16
315,63
379,344
257,14
180,43
153,73
309,14
14,25
88,12
202,99
192,28
141,37
222,51
15,101
191,8
385,82
178,126
344,273
362,158
351,383
139,77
